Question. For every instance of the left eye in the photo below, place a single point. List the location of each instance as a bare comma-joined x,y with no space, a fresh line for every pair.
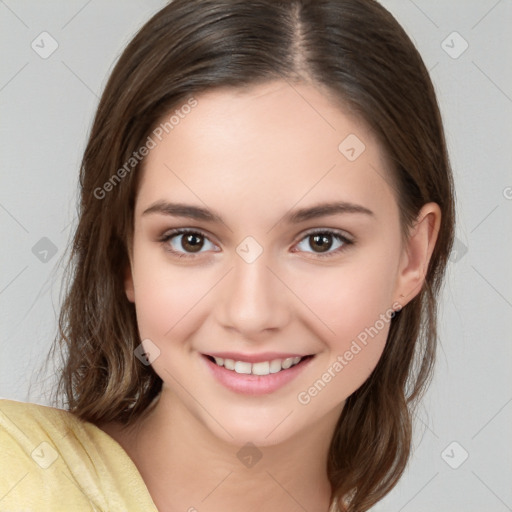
186,242
324,242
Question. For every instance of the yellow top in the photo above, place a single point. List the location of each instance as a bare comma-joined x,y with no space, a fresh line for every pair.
50,460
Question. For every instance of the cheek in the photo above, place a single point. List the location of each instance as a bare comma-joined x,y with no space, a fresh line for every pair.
348,298
166,295
353,303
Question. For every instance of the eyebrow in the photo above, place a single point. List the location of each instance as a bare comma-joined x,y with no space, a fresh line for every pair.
292,217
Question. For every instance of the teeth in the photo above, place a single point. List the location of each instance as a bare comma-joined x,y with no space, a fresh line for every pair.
262,368
275,366
242,367
287,363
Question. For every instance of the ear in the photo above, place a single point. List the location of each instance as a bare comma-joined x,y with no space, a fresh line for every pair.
417,252
128,283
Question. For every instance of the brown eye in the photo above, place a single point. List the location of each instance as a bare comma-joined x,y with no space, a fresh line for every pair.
192,242
184,242
320,242
324,243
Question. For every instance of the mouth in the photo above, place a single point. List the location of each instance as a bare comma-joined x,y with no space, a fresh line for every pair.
265,374
260,368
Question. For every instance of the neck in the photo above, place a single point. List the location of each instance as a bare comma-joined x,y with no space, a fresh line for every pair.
187,468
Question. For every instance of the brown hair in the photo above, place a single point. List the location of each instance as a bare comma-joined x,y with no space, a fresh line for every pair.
358,52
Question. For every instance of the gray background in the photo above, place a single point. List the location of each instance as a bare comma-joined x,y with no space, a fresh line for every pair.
47,107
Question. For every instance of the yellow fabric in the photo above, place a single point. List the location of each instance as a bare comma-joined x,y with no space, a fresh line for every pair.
51,461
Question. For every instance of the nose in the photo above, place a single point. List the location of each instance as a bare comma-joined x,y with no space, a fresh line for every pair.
254,301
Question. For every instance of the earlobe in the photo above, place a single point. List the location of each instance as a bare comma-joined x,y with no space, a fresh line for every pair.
417,253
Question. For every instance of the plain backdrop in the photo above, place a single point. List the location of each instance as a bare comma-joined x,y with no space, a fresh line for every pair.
463,447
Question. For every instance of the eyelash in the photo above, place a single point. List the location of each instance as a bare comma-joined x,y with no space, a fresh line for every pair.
183,231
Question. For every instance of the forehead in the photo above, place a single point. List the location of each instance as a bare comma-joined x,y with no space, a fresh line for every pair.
267,144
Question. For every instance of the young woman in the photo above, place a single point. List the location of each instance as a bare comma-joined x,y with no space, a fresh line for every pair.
266,214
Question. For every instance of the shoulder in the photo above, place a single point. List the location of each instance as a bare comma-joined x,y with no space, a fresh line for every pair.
20,419
24,426
50,459
40,450
27,429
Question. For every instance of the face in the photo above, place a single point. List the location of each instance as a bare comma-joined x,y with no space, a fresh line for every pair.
266,234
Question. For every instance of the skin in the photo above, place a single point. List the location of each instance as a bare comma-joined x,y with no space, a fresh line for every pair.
252,156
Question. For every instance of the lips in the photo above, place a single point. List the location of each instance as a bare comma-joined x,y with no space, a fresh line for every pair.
255,374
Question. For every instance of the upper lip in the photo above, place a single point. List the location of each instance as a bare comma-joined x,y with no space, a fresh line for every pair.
254,358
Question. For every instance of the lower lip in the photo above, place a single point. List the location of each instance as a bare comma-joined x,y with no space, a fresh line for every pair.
249,384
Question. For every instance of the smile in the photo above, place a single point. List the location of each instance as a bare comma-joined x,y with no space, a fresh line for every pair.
261,368
265,373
